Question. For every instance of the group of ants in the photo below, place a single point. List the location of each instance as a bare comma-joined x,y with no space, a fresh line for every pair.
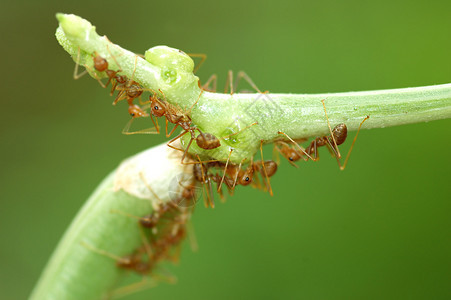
167,224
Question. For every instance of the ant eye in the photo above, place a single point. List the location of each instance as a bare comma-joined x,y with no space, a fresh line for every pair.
156,108
247,179
290,158
132,114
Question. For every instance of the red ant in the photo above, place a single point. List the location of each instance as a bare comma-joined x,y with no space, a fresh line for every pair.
174,115
100,65
337,137
289,152
130,89
144,260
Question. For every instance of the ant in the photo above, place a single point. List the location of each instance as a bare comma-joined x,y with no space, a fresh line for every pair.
130,89
160,108
144,260
245,177
337,137
100,65
288,151
152,220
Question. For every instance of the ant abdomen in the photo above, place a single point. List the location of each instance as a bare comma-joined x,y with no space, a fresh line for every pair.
340,133
207,141
271,167
134,91
100,63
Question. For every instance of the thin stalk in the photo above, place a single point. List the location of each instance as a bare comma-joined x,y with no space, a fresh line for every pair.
76,270
223,115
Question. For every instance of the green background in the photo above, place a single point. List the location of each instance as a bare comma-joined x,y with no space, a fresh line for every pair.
378,230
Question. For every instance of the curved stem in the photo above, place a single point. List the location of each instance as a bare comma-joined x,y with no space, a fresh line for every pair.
229,116
76,270
224,115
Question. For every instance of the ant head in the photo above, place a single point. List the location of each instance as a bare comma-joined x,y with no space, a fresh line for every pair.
245,178
135,111
157,107
292,155
100,63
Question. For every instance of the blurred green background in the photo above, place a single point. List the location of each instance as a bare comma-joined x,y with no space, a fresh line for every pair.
378,230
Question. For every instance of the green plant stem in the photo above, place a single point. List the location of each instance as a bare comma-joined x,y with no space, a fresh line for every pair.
226,116
76,270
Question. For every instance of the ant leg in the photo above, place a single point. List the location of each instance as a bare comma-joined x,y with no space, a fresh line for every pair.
173,129
113,211
134,68
297,145
102,252
225,170
192,106
113,57
120,96
186,150
95,76
247,127
142,131
141,175
208,189
221,195
229,82
264,169
338,154
203,58
76,75
192,237
214,80
275,153
144,284
113,87
243,75
111,78
179,136
237,173
314,148
141,102
352,145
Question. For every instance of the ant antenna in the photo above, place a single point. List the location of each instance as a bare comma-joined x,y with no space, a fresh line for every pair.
225,170
192,106
237,173
296,144
203,58
352,145
247,127
77,63
148,186
264,169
